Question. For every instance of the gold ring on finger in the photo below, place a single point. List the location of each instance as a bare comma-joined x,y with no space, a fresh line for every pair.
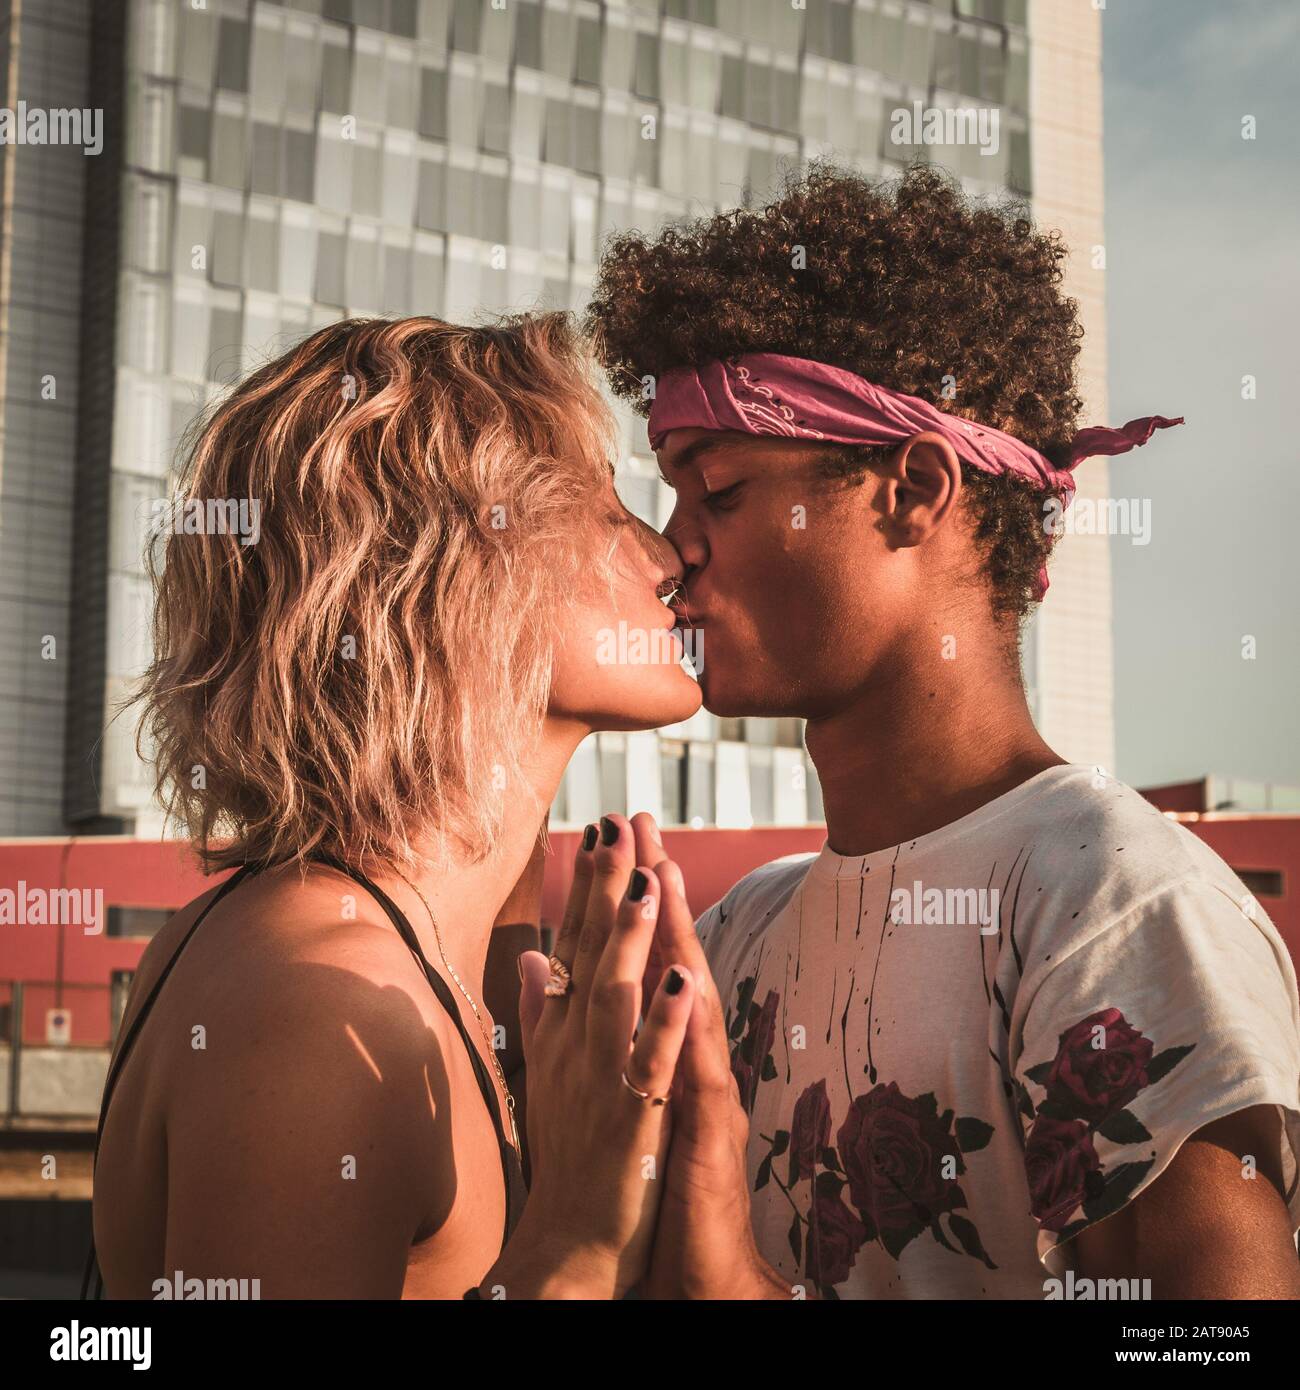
645,1095
560,980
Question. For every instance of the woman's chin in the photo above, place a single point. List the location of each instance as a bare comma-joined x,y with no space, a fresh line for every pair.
670,698
687,697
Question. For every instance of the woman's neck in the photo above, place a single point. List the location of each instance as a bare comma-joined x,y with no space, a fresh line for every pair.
465,897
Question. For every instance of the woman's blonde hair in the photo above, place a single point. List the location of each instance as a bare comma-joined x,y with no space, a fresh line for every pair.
373,666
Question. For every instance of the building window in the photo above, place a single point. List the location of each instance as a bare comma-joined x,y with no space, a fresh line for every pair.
232,55
266,159
672,764
299,169
528,35
225,339
700,790
559,132
733,87
137,921
1263,883
1019,178
433,104
496,118
586,67
196,127
401,18
466,24
645,83
336,78
329,269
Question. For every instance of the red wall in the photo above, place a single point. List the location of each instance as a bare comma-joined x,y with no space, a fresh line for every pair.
135,873
1260,842
1177,796
132,873
711,861
164,874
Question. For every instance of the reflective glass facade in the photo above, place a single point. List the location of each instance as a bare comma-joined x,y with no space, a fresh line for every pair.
282,165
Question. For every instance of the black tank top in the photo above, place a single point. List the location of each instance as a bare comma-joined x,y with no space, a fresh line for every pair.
92,1283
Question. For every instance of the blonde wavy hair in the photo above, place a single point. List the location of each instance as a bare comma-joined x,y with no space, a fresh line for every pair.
426,491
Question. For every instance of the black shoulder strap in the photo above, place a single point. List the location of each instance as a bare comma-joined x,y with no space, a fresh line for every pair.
510,1161
123,1051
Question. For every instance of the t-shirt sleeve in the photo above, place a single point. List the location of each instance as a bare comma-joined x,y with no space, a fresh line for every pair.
1180,1012
706,925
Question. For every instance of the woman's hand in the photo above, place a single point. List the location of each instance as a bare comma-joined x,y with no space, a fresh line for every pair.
597,1151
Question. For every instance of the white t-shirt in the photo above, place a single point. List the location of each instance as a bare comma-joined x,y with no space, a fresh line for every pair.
959,1051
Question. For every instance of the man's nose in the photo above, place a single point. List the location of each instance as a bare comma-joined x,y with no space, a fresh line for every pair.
687,541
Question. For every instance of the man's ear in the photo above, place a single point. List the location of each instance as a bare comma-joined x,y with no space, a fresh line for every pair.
921,482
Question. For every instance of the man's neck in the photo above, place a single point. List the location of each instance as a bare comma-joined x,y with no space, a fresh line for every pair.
923,747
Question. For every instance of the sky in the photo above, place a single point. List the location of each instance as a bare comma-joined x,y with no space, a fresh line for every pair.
1203,289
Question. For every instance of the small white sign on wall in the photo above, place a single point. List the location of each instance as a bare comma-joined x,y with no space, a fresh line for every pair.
58,1026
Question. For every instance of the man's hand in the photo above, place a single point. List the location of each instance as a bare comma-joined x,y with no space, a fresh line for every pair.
704,1245
1203,1229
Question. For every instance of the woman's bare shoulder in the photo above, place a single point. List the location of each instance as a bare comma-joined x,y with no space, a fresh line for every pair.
283,976
298,1033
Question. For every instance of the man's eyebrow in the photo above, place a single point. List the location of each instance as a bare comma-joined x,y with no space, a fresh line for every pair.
704,444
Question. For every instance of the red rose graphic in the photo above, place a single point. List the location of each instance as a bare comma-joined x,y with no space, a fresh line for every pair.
1059,1157
747,1060
810,1130
892,1148
835,1235
1094,1082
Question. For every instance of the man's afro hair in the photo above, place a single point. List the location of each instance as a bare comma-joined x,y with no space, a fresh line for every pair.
907,282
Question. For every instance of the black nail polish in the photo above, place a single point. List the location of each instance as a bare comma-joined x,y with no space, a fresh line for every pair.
589,838
608,831
636,885
675,981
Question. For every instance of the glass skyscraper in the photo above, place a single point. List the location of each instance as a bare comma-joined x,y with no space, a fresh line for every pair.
270,167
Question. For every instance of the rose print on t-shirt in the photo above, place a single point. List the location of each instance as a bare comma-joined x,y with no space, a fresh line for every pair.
810,1132
1062,1168
1102,1064
751,1060
891,1176
1093,1081
835,1235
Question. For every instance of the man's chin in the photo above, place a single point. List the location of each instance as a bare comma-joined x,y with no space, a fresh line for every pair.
727,698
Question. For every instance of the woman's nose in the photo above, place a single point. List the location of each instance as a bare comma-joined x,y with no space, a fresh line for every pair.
663,554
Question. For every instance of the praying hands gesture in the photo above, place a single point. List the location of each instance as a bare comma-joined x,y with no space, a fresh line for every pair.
637,1135
598,1119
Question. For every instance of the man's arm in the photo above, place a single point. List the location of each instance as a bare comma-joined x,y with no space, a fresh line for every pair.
1203,1228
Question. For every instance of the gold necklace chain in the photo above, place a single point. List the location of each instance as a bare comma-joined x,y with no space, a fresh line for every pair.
469,999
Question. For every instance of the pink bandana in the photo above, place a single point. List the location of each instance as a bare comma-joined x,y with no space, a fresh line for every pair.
765,393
